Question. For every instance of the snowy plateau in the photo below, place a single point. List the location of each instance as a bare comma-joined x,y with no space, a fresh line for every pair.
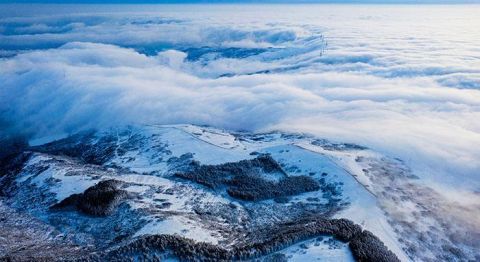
186,192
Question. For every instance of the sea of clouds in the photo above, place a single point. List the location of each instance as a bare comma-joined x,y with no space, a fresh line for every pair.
404,80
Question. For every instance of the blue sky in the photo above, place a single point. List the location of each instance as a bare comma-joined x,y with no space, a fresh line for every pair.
245,1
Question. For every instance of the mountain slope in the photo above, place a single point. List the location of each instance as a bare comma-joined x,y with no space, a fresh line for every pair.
190,192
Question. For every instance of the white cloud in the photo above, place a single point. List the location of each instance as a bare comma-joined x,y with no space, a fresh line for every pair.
410,94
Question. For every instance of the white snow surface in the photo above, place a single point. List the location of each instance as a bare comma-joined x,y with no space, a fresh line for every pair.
179,226
319,250
148,175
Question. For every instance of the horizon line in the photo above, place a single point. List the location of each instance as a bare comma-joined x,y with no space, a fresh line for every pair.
221,2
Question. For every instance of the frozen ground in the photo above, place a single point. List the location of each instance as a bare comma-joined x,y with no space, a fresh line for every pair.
152,197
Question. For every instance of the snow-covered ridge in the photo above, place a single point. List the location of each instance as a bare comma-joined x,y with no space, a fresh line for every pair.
355,183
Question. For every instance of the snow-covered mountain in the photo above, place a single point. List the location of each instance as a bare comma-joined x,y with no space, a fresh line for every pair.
187,192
